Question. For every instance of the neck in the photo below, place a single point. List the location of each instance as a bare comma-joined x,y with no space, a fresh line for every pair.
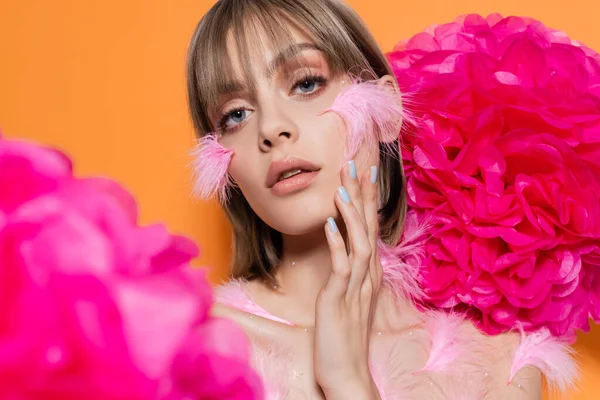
303,271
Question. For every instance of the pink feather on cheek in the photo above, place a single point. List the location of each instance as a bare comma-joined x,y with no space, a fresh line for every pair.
210,165
372,114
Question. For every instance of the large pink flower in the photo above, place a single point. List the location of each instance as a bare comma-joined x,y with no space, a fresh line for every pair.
94,306
505,160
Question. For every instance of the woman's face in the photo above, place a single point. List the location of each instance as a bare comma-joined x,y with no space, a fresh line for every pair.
280,124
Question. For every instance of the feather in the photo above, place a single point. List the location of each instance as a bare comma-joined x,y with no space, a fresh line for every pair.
446,346
401,263
551,355
273,364
371,113
232,294
210,163
392,361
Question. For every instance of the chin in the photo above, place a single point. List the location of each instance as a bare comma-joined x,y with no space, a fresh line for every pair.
300,214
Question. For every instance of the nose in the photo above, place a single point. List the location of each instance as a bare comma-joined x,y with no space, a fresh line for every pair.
276,128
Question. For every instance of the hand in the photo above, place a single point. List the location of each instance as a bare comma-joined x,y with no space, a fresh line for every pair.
345,306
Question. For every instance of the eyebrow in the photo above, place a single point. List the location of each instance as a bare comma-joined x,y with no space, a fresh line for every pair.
279,60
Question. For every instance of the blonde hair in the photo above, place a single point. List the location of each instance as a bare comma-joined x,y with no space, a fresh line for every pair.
346,44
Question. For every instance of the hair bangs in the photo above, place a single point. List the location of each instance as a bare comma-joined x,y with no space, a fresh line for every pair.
251,27
255,27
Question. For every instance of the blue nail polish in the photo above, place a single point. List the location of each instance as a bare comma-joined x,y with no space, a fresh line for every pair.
352,168
332,225
344,194
373,174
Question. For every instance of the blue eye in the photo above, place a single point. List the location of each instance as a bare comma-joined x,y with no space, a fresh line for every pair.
237,116
310,84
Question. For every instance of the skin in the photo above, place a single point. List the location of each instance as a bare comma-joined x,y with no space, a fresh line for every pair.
331,295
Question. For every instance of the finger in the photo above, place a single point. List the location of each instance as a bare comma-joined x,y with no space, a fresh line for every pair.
360,252
368,183
369,197
375,274
351,183
337,285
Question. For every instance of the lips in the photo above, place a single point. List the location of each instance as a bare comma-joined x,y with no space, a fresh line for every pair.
279,169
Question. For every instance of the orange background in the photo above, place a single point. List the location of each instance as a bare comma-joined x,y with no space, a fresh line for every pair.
104,81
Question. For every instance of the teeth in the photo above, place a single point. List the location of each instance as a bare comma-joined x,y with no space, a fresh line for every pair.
290,173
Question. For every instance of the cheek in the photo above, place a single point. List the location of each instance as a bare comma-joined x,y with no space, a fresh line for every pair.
245,174
243,167
328,139
250,178
332,144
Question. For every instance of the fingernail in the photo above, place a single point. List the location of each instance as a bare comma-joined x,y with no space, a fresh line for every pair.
344,194
332,226
373,174
352,167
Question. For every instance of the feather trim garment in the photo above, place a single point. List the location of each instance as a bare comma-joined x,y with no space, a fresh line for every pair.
428,354
436,356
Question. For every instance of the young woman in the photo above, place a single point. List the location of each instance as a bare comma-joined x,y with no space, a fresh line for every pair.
307,269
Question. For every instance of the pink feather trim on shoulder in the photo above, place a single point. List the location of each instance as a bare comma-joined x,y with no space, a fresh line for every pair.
444,332
401,264
210,164
371,112
551,355
234,295
273,364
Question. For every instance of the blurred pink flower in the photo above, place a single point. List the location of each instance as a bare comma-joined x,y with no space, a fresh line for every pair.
94,306
216,367
506,161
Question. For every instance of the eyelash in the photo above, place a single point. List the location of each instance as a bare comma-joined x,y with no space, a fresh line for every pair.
319,79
